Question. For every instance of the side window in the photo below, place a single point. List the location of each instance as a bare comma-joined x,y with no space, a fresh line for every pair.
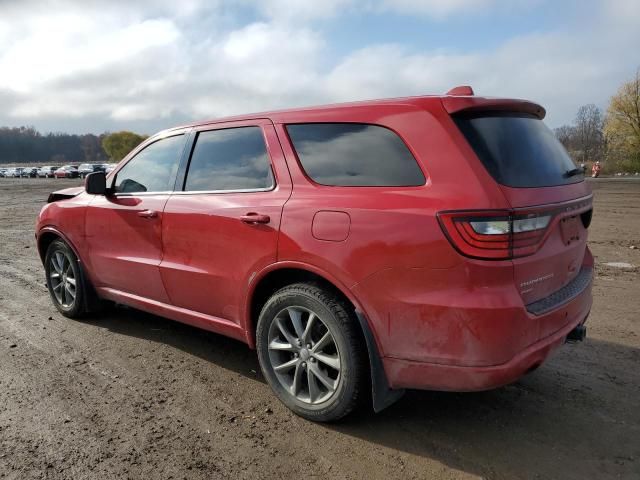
153,169
229,159
354,155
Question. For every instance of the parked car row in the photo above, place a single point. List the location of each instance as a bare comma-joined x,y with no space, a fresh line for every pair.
66,171
24,172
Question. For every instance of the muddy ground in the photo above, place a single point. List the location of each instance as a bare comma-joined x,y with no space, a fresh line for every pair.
130,395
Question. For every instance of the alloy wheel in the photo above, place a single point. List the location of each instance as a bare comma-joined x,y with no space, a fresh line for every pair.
304,355
63,279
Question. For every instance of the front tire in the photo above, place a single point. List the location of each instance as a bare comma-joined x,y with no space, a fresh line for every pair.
65,280
311,352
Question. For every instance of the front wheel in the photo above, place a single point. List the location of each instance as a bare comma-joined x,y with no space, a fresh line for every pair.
64,280
311,352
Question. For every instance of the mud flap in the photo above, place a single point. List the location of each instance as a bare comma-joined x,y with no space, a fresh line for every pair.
381,394
92,302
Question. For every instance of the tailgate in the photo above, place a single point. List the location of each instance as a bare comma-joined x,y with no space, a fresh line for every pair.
550,202
561,252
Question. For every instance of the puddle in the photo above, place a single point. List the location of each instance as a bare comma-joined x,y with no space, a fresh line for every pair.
619,265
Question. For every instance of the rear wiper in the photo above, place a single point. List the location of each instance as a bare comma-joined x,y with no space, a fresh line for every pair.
573,172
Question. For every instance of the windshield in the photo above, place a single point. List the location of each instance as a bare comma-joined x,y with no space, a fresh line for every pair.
518,150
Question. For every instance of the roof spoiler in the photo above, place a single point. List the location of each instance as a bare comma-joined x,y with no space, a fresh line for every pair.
454,103
461,90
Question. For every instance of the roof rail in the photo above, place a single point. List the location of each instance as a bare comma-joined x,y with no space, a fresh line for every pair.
461,90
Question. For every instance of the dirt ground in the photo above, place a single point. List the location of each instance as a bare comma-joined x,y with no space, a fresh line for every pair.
130,395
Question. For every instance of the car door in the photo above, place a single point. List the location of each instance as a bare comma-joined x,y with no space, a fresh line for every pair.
124,227
222,228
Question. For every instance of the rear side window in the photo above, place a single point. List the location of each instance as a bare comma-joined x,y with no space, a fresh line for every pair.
230,159
354,155
518,150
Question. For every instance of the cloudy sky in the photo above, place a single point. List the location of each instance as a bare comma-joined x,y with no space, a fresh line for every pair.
92,66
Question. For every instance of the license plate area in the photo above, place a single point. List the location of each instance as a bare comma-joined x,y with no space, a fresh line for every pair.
570,229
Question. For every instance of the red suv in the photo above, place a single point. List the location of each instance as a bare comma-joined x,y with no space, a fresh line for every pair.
434,242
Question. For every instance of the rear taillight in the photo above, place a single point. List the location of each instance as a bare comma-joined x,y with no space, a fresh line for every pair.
495,234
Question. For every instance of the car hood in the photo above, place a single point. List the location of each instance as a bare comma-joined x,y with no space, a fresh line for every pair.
65,194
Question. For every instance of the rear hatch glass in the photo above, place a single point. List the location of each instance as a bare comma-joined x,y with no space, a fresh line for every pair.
518,149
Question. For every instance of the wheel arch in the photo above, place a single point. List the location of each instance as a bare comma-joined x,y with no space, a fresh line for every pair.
46,236
278,276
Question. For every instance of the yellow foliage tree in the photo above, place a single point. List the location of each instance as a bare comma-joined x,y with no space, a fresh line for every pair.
622,125
118,144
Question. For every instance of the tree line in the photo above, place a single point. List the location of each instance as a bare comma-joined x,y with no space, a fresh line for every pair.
26,145
612,137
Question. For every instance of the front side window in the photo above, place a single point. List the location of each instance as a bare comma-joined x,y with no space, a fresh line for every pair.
354,155
229,159
153,169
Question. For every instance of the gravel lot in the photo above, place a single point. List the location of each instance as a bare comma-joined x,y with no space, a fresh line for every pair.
130,395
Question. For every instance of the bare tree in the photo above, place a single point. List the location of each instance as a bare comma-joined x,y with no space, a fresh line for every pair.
589,137
567,136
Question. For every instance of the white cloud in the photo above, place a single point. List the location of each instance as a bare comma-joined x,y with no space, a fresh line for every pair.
557,70
437,8
300,10
151,64
48,47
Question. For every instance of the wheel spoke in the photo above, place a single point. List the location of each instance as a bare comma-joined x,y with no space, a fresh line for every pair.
285,347
285,333
326,339
65,298
71,280
60,258
54,275
323,377
55,263
58,286
297,379
296,319
286,366
331,360
314,390
306,335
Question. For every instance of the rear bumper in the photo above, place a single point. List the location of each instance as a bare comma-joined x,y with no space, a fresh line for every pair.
476,340
431,376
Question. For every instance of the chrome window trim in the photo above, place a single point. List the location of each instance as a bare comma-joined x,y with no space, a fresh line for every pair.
139,194
193,192
241,190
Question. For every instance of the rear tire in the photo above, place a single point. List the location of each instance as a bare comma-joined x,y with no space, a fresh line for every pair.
311,352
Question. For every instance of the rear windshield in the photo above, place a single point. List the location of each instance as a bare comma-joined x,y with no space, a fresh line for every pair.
518,150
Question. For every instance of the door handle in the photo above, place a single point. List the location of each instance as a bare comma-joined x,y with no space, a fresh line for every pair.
148,214
253,218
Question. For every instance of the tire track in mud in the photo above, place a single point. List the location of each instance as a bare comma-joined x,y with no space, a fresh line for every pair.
126,394
87,378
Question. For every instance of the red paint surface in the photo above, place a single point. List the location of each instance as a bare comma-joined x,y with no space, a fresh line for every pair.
441,320
331,226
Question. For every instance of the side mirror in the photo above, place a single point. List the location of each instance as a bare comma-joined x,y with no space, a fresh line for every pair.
96,183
